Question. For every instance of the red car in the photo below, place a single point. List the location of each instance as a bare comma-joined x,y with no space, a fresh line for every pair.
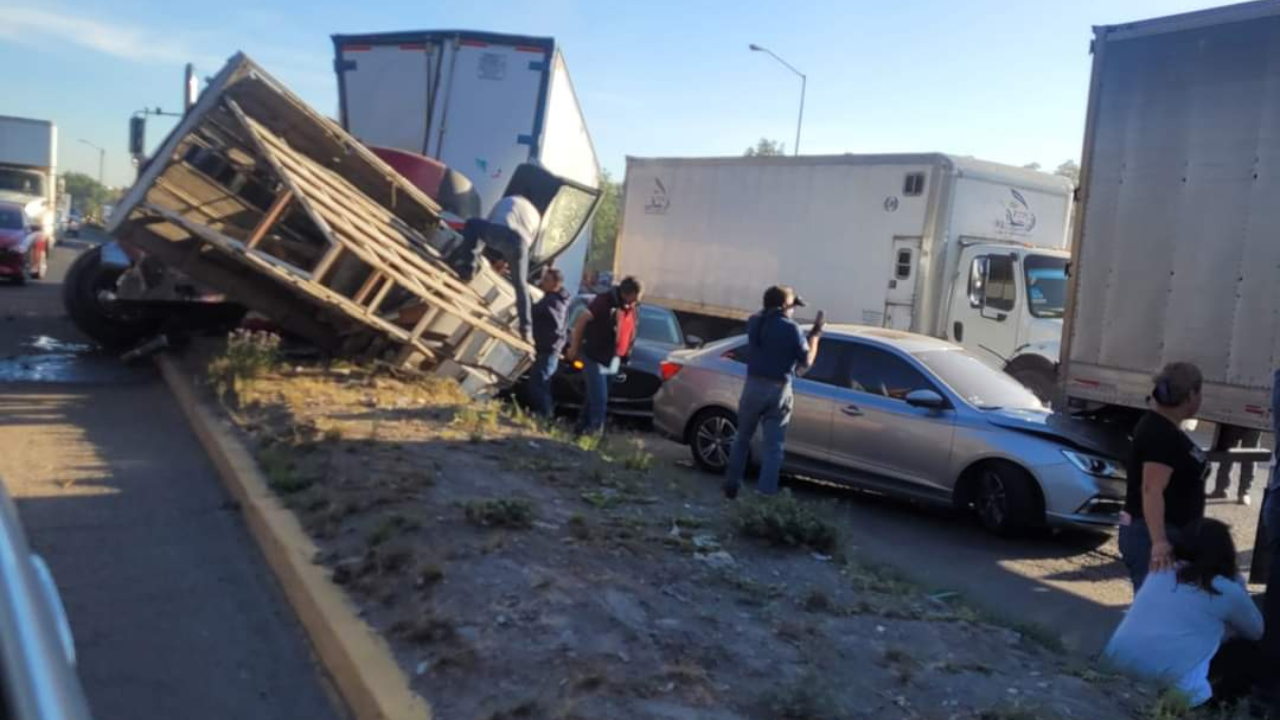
24,250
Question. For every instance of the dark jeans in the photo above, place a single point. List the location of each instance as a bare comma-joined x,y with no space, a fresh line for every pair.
595,406
1271,601
1230,437
1236,667
1135,549
544,367
764,404
479,234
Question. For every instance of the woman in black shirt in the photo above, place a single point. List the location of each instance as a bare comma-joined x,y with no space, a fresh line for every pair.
1166,475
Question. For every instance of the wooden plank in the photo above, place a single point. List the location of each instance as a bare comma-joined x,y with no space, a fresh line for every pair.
273,214
228,245
373,247
367,287
277,154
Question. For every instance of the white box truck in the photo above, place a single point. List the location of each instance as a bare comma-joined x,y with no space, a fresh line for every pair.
482,103
1177,238
28,169
958,248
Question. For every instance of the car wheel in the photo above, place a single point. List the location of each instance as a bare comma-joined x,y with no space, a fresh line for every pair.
1006,499
711,437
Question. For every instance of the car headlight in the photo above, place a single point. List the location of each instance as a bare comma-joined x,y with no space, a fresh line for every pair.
1095,465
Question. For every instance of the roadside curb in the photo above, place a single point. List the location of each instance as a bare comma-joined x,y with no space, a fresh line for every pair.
359,660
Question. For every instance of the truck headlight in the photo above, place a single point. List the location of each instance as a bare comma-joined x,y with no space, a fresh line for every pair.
1095,465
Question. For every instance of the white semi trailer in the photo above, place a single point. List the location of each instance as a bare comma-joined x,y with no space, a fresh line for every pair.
958,248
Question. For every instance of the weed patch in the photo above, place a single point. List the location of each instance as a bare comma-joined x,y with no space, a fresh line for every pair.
502,512
807,698
478,421
278,465
248,355
390,526
783,520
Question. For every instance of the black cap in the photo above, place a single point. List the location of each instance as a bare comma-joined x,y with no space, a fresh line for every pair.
799,301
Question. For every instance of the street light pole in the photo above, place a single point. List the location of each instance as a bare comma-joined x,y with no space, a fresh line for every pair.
804,82
102,155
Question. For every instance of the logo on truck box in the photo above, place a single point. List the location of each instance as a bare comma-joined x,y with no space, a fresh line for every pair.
1018,217
658,202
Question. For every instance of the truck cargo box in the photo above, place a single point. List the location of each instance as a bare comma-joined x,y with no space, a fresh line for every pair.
1175,251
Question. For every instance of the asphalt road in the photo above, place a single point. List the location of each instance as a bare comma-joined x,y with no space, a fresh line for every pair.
174,612
1071,582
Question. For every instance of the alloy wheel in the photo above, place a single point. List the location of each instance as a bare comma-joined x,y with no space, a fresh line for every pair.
714,439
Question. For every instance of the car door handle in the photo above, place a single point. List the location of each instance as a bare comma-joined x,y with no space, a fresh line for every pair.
851,410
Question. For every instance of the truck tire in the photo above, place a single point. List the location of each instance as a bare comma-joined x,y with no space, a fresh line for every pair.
710,438
1005,498
1038,375
110,324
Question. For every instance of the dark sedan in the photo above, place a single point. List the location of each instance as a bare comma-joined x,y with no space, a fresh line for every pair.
632,389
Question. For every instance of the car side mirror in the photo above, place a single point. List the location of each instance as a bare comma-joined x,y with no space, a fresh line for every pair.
694,341
926,399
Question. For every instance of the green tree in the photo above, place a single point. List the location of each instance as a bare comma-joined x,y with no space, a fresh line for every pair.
766,147
604,228
1070,170
1031,166
87,194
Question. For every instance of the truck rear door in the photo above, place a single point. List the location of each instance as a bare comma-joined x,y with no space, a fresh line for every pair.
490,111
387,92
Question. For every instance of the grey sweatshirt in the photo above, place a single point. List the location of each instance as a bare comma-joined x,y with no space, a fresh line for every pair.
1173,630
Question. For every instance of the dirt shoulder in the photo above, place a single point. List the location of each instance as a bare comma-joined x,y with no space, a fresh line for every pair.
519,573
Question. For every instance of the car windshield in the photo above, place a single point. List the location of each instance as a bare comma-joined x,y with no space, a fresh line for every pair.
1046,285
978,383
10,219
26,183
659,325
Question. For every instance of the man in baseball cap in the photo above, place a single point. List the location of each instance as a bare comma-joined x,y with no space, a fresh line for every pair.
776,349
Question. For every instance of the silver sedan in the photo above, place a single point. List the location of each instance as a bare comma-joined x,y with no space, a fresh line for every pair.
910,416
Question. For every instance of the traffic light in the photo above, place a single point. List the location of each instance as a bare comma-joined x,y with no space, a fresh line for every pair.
137,136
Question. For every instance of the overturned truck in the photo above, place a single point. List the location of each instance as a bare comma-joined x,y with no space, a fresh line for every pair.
258,198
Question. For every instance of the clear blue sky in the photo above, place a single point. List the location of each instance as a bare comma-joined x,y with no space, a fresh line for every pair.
999,80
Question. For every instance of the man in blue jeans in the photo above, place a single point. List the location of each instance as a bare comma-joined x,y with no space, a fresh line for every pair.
548,340
1271,530
776,348
602,338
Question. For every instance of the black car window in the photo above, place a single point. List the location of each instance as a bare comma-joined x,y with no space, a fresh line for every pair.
831,367
659,325
880,372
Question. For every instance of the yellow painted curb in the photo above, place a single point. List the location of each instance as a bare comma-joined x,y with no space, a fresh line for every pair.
360,661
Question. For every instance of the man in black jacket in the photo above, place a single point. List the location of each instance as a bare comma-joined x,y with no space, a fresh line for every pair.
548,340
602,337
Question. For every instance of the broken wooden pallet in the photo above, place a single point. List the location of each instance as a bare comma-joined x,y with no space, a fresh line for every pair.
258,196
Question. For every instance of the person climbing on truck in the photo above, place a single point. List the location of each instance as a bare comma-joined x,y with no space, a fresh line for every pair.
510,231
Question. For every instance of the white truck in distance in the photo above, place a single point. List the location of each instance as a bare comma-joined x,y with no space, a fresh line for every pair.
962,249
482,103
1176,250
28,169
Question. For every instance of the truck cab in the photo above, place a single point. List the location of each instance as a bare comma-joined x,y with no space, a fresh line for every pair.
1007,306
